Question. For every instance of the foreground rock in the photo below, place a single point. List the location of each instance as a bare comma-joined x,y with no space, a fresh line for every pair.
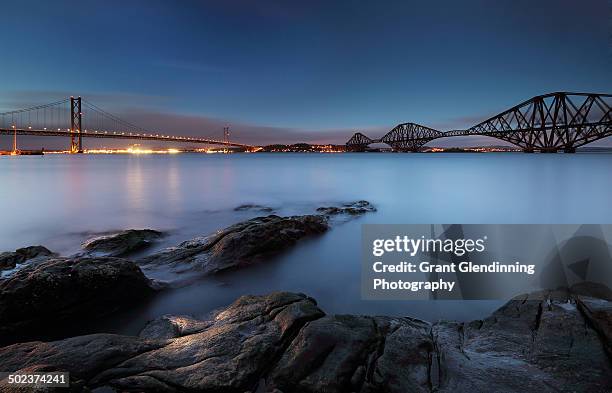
283,342
239,245
227,353
61,292
9,260
121,243
351,208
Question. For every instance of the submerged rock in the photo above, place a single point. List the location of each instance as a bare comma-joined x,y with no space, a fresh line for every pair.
254,207
283,342
352,208
239,245
8,260
61,291
121,243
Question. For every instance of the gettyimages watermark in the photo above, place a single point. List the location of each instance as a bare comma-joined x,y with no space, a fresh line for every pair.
481,261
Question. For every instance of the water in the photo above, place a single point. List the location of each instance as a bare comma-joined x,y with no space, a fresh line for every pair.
59,201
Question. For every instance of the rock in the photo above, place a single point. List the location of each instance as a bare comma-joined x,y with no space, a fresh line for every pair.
239,245
328,354
60,292
594,290
229,355
121,243
403,360
598,313
536,342
171,326
85,356
353,209
254,207
283,342
8,260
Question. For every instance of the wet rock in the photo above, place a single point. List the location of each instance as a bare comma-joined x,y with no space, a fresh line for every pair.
283,342
254,207
121,243
353,209
229,355
536,342
403,358
591,289
598,313
171,326
239,245
61,292
328,355
83,356
8,260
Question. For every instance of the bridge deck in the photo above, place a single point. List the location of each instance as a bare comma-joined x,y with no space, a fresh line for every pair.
119,135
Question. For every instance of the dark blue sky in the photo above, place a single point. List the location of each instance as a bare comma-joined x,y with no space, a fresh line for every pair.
294,71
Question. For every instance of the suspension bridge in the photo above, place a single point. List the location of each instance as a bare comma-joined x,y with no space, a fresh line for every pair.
77,118
548,123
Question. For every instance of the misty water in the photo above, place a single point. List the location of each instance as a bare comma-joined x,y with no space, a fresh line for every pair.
59,201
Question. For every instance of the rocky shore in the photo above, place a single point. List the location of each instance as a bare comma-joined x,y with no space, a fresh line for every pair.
10,259
63,292
239,245
549,341
121,243
52,295
553,341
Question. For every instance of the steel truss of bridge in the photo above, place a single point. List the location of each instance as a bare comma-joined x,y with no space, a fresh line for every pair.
76,118
552,122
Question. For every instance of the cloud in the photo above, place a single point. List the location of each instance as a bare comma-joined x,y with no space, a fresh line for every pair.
203,126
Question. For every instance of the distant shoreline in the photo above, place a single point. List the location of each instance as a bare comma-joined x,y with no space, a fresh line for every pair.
296,148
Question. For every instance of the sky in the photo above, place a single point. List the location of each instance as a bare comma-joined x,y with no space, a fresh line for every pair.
288,71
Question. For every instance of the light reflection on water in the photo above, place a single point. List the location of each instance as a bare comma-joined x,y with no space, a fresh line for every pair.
59,201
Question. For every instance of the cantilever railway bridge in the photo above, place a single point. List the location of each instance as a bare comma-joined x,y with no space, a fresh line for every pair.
548,123
77,118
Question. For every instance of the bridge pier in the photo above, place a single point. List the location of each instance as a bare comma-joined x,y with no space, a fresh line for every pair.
570,149
548,150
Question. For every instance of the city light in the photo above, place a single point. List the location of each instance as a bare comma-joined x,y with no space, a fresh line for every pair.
135,150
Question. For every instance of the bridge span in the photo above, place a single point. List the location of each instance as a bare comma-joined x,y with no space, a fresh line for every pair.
76,118
548,123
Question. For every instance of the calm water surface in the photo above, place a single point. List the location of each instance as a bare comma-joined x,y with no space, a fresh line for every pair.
59,201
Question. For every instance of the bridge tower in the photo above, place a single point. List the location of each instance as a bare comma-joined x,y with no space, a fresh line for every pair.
226,134
76,137
15,150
